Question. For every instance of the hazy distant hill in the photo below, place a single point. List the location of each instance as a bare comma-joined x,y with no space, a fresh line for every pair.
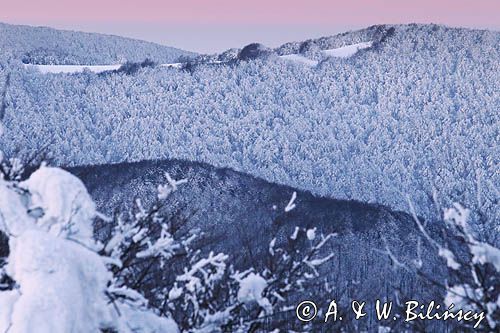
42,45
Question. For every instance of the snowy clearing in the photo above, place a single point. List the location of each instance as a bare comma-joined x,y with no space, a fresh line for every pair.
348,50
340,52
67,69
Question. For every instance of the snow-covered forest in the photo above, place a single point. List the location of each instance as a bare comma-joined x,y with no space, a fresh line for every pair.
412,114
160,190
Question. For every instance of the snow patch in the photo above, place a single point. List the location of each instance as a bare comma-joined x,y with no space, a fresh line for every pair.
348,50
311,234
340,52
484,253
449,257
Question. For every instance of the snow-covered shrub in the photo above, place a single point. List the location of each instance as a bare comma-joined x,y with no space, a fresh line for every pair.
474,270
215,297
146,275
60,283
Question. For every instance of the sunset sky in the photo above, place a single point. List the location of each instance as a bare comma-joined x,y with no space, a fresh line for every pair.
215,25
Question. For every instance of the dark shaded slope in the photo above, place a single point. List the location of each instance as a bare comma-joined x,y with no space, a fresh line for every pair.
236,211
221,197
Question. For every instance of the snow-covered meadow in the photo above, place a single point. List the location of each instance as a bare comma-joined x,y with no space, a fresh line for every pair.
71,69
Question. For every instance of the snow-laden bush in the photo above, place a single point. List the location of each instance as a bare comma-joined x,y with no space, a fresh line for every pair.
204,291
62,284
147,275
475,271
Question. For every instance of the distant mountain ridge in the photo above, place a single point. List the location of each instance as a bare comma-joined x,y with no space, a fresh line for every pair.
44,45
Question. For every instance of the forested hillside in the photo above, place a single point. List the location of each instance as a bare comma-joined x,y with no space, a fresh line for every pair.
239,214
144,266
42,45
414,115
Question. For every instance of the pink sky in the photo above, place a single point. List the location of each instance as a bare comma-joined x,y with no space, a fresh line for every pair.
222,20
